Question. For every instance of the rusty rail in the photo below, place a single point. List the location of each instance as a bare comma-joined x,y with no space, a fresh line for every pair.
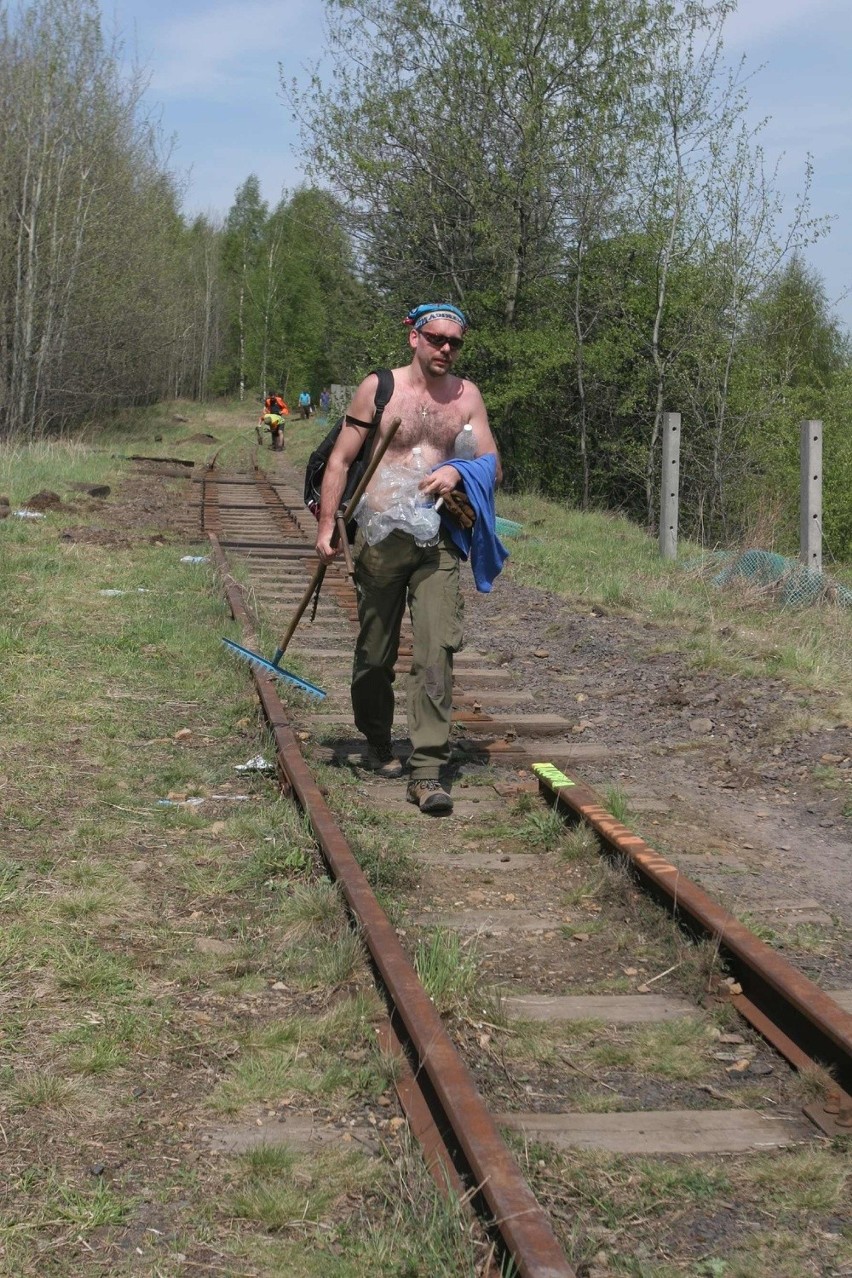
801,1021
469,1133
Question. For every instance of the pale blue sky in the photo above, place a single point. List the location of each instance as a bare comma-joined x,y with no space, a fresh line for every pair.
214,81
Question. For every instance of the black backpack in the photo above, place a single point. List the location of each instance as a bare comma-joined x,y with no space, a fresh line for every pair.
318,458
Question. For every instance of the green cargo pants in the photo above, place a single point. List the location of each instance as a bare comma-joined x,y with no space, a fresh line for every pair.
387,576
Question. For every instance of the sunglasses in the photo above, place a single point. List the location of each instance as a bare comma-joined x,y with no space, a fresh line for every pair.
438,340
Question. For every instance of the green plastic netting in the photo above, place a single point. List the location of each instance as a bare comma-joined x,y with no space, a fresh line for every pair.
793,584
507,527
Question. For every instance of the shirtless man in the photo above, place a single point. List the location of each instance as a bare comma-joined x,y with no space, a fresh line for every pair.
433,405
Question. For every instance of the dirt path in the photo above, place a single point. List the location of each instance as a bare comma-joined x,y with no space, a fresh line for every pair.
717,775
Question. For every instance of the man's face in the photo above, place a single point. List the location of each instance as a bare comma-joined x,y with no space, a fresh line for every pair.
436,345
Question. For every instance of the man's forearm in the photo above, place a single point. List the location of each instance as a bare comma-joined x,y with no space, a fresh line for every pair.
331,493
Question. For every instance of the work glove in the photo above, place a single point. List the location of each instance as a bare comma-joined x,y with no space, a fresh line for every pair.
456,506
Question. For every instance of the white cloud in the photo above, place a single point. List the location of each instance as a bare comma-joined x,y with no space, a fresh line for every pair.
756,21
226,48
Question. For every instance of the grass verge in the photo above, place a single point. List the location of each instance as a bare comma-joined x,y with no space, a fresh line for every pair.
602,560
166,954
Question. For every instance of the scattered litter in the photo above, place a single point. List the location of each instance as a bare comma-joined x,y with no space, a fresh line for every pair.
111,594
257,764
195,801
195,559
28,514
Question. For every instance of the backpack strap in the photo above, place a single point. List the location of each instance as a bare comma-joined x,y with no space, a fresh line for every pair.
384,391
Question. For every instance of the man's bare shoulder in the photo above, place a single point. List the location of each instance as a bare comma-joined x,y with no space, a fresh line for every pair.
362,402
370,383
470,395
373,377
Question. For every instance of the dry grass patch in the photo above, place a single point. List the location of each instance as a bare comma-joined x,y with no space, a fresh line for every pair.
44,1089
579,844
447,968
783,1213
284,1192
804,1180
44,1219
331,1056
312,907
344,1215
679,1050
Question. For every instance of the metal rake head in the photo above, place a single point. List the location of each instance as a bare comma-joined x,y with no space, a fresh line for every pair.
287,675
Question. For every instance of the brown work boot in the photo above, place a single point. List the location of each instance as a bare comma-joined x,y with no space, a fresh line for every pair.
429,795
382,760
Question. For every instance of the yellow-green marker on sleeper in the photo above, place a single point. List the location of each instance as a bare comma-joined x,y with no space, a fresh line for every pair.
552,775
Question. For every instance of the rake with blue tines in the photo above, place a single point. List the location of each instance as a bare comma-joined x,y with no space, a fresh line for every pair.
274,667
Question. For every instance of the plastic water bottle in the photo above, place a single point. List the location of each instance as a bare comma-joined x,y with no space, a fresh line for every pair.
465,444
419,470
426,520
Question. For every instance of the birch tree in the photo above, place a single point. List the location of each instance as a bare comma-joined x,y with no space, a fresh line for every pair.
92,266
241,252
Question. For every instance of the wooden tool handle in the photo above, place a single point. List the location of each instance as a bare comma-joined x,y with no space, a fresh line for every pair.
343,538
315,583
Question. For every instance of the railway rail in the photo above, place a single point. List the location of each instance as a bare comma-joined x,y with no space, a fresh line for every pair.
258,519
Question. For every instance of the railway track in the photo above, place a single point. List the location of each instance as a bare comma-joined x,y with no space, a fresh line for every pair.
257,521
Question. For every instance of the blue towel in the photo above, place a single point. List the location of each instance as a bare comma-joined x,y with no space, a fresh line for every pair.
480,543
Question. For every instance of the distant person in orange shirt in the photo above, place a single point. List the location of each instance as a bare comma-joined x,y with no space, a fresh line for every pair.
275,410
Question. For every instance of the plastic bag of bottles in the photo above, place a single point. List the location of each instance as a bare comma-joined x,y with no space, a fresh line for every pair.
394,501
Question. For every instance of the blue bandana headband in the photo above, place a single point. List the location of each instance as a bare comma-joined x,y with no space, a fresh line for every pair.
421,315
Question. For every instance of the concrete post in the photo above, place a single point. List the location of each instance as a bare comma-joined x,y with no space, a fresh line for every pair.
670,485
340,397
810,511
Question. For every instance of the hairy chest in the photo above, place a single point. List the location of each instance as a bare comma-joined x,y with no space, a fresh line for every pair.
425,422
